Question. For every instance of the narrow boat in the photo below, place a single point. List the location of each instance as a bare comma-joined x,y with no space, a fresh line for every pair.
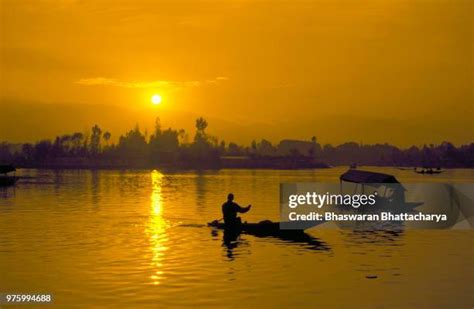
5,179
271,229
428,171
262,228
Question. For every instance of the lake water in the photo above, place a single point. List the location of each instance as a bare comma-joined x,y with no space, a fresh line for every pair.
138,239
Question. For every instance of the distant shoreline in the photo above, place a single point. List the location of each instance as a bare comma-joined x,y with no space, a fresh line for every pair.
244,163
188,168
172,148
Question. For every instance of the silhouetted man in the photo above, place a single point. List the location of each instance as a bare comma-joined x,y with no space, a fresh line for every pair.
230,210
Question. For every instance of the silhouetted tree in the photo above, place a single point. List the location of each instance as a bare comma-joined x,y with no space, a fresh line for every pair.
203,151
253,147
222,148
107,137
164,146
43,151
200,136
234,150
95,140
76,140
265,148
132,147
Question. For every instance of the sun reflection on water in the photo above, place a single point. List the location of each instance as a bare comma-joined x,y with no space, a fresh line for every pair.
157,229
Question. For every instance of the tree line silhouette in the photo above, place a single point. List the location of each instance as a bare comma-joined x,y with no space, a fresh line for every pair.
171,147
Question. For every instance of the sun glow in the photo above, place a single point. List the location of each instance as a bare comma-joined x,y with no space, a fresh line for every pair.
156,99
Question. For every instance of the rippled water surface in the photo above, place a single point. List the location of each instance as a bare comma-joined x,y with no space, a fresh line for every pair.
138,238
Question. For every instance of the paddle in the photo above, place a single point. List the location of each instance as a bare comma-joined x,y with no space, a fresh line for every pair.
215,221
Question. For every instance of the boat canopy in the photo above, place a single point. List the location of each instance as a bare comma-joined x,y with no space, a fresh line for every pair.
366,177
6,169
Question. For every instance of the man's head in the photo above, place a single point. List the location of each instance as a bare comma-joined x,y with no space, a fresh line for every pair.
230,197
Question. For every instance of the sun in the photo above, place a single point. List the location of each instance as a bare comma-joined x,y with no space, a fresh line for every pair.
156,99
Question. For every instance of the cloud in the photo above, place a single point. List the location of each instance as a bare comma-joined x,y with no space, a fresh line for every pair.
104,81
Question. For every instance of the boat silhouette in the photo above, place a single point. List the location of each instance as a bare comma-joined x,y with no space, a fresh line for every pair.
5,179
268,228
428,170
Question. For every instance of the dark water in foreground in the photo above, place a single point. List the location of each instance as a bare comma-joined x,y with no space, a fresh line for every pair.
138,238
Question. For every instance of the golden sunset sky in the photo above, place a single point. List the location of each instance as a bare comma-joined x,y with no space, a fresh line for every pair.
394,71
